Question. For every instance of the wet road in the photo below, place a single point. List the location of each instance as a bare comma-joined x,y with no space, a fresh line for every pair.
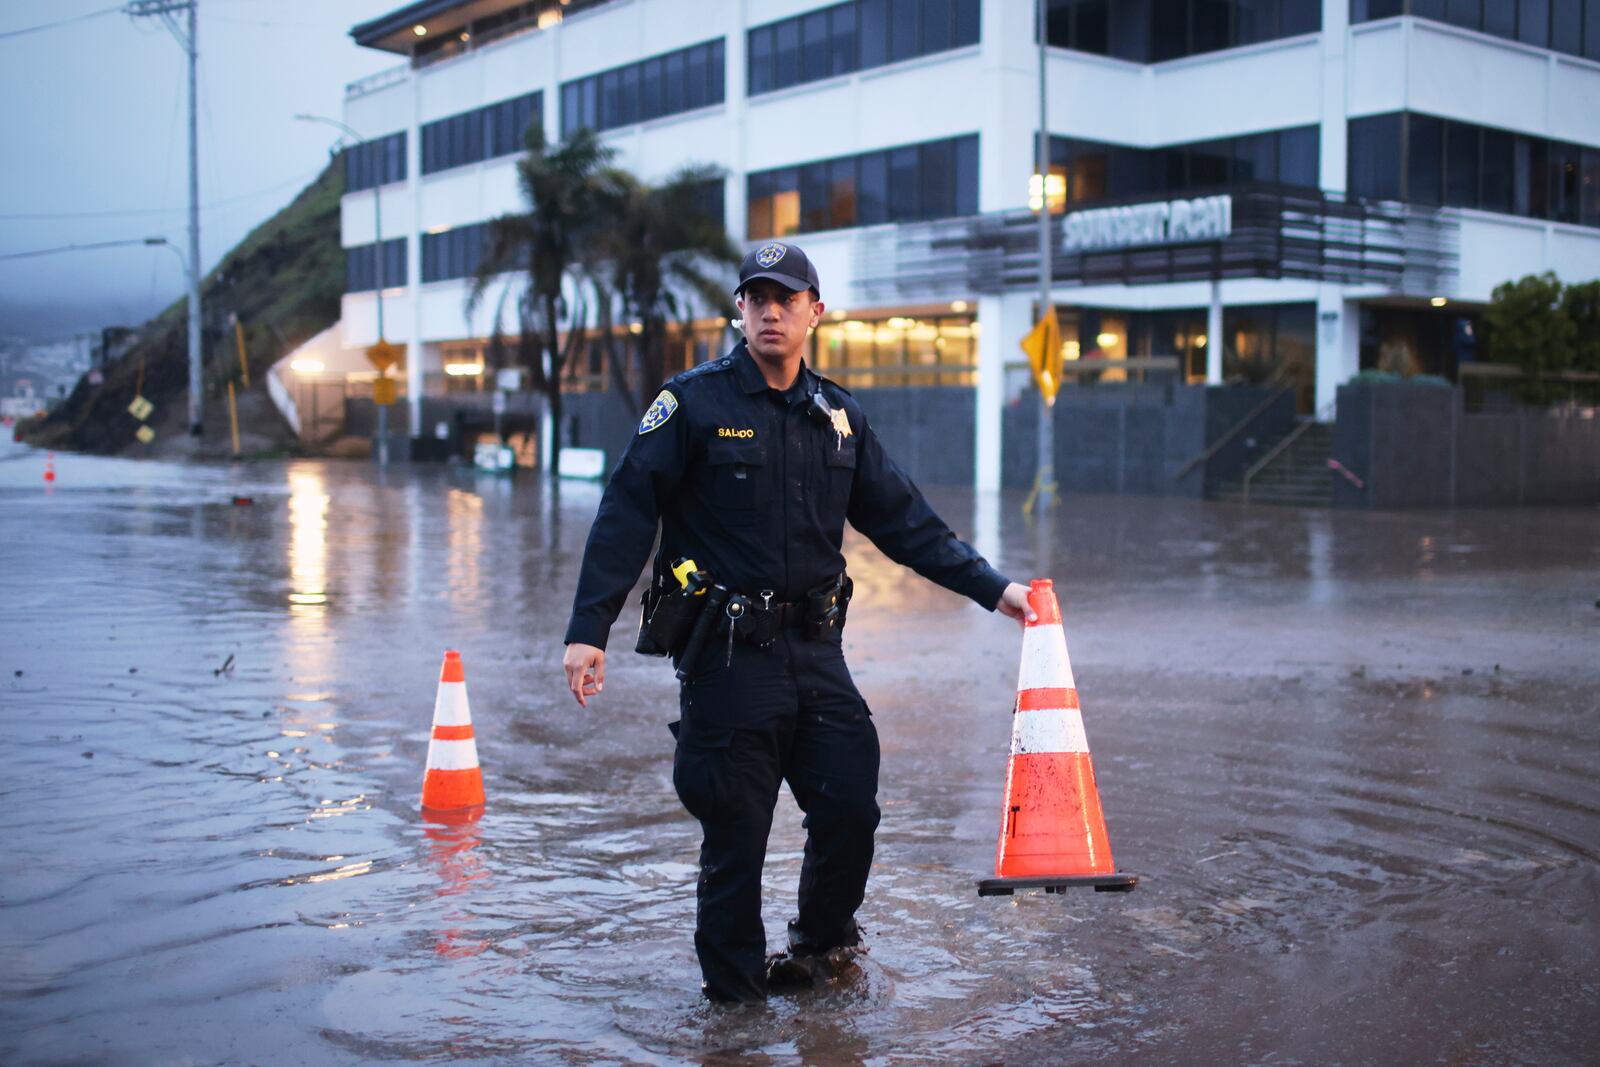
1351,755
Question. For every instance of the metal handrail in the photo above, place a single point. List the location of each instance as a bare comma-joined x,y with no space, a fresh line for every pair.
1233,431
1277,450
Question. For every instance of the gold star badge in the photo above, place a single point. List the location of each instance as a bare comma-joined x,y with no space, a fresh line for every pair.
841,423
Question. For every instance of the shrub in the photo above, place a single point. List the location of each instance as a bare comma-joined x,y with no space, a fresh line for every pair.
1529,328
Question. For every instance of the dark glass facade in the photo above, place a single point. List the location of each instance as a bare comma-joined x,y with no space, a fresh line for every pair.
1570,26
653,88
1151,31
1421,159
933,180
453,253
361,266
479,134
857,35
1092,170
376,162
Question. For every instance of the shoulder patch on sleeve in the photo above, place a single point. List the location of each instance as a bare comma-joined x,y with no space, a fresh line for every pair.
659,412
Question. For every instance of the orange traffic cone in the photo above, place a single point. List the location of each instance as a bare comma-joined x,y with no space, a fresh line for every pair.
49,466
453,783
1052,832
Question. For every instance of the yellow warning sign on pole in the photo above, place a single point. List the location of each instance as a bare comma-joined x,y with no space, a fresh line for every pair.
1043,346
383,392
145,435
140,408
383,355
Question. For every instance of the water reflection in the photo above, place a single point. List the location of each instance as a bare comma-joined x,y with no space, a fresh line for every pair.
464,516
308,544
452,853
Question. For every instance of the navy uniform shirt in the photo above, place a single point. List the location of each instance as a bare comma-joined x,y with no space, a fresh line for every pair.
747,484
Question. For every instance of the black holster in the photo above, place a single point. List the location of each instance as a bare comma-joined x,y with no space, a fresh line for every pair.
827,605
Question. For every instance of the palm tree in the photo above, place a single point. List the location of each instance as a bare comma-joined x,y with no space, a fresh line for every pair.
571,191
663,257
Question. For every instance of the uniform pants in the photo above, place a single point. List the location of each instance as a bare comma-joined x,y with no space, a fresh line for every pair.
791,713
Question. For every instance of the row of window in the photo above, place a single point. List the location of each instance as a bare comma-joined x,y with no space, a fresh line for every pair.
479,134
1152,31
857,35
1091,170
1425,160
936,179
667,84
1571,26
361,266
376,162
457,252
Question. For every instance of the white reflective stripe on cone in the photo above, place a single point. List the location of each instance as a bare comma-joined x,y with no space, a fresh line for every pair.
450,707
1048,730
452,755
1045,664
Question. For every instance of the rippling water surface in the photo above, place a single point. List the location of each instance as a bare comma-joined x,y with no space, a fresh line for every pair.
1352,756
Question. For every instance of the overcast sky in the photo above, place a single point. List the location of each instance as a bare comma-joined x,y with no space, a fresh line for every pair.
94,143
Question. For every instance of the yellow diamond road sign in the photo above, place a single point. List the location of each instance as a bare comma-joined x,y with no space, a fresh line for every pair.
383,355
1043,346
140,408
145,434
383,392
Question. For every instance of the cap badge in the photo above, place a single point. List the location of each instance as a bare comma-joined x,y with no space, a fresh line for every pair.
769,254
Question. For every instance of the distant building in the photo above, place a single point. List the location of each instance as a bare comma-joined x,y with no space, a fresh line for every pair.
1281,191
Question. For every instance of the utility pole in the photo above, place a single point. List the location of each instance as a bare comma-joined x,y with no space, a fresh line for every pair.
185,32
1047,429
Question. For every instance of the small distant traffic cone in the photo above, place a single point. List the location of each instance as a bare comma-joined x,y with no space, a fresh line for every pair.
49,466
453,784
1052,832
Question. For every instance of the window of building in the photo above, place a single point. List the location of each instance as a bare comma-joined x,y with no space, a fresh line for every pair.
1272,344
482,133
1092,170
898,351
857,35
1463,165
1151,31
453,253
1571,26
937,179
653,88
380,161
361,266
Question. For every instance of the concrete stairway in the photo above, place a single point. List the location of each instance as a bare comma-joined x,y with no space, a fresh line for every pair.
1298,475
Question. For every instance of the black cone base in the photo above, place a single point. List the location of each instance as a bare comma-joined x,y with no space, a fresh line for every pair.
1101,883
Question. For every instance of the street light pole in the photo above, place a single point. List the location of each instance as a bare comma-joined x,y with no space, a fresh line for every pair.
377,260
1047,430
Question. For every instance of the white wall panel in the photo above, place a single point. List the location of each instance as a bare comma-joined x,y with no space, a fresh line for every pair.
1375,70
385,111
1477,79
1265,87
1575,101
358,315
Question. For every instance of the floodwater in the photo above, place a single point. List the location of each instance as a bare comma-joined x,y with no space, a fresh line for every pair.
1351,756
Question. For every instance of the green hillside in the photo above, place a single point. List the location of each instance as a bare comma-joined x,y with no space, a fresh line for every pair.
283,281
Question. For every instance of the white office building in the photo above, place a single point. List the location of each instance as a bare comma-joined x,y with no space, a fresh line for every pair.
1248,191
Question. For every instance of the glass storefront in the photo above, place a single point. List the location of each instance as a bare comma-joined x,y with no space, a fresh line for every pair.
1272,344
898,350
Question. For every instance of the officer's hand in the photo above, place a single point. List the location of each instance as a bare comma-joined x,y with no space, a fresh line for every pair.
1014,602
586,670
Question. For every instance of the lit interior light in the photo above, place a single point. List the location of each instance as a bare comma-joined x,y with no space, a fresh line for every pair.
1107,340
549,18
1200,342
465,36
839,315
1055,186
463,370
1438,301
307,366
898,323
636,327
958,306
1071,350
420,30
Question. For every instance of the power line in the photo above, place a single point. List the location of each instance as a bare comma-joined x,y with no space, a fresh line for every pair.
62,22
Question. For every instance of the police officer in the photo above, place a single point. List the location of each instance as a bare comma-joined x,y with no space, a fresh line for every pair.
751,464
